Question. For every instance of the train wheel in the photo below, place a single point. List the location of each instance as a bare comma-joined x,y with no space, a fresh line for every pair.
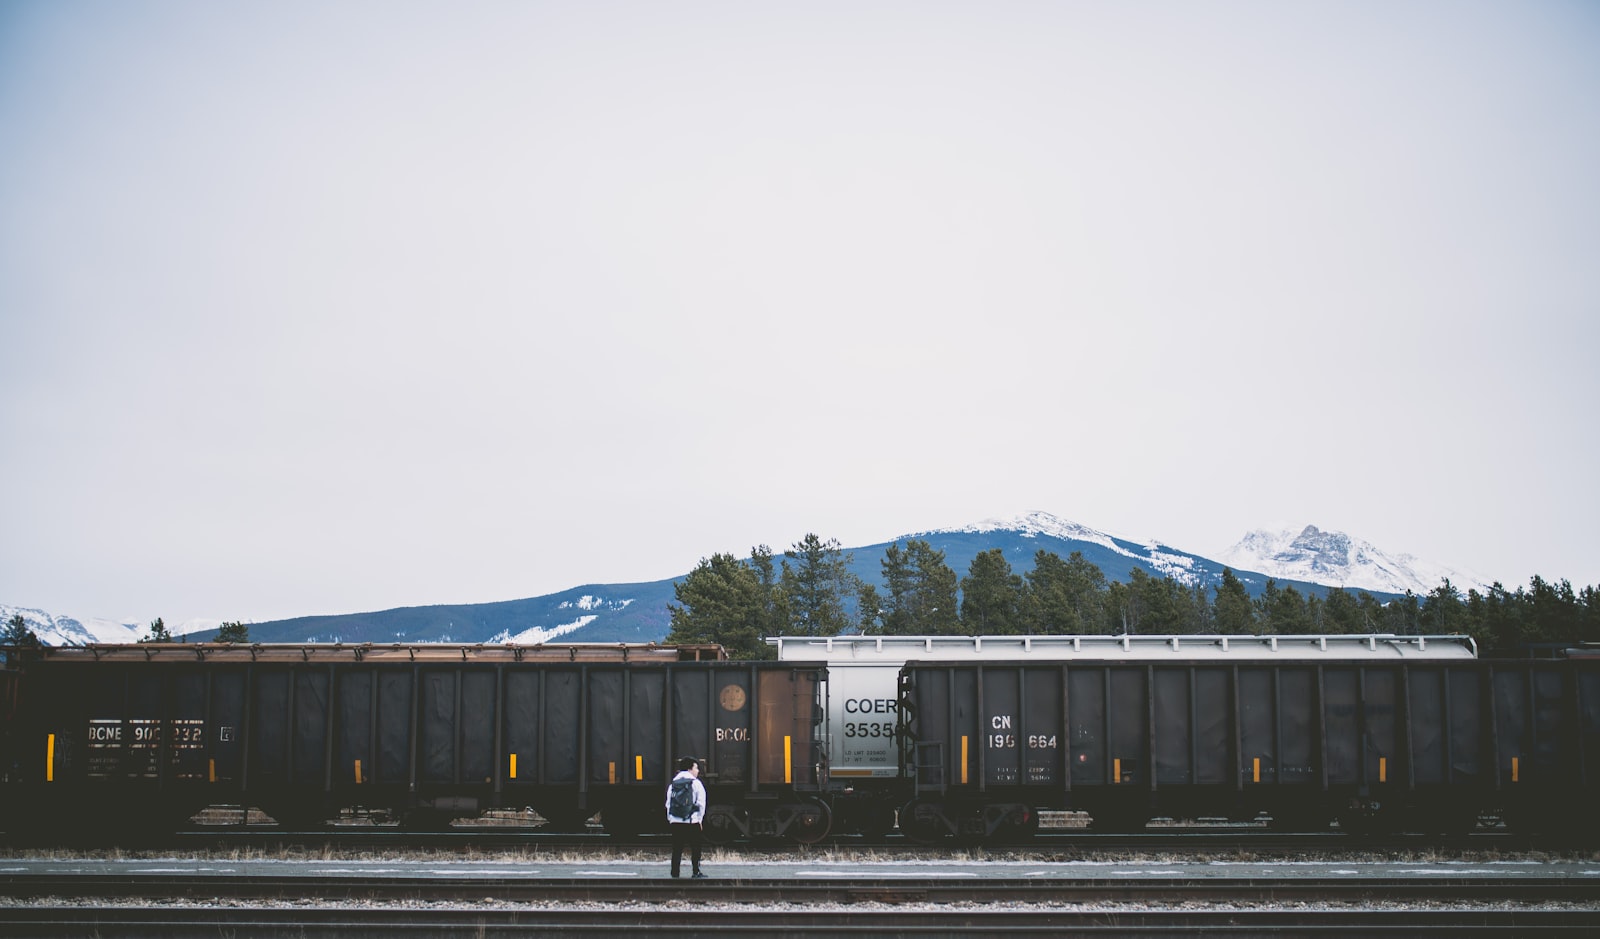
1012,824
805,822
725,824
924,822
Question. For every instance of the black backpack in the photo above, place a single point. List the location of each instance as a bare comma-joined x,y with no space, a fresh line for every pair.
680,803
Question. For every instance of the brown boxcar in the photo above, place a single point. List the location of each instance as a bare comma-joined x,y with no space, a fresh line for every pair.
121,737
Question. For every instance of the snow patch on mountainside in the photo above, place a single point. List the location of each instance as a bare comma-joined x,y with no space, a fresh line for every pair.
587,602
536,635
1032,524
1180,567
1335,559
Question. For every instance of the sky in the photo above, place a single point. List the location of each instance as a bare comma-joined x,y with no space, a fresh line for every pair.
313,308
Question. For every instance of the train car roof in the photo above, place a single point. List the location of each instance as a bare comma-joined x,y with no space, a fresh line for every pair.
888,649
478,653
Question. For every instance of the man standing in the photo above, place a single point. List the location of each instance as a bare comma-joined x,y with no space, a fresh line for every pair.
686,811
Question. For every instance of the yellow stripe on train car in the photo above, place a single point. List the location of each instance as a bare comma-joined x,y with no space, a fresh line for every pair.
50,759
513,766
788,760
638,767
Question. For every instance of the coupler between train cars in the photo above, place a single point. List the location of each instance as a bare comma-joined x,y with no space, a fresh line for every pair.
436,813
871,814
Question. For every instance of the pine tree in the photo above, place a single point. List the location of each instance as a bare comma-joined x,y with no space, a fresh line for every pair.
1066,597
1232,610
1443,611
233,632
774,608
1554,610
1167,607
1401,616
158,632
991,596
922,592
1282,610
816,587
1205,617
899,580
18,637
723,602
869,610
1339,614
1588,615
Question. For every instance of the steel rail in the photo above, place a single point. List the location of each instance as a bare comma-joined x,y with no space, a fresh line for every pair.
498,838
1078,890
136,923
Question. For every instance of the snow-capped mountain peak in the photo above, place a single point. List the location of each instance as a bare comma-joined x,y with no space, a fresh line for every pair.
1158,557
54,630
1041,523
1339,560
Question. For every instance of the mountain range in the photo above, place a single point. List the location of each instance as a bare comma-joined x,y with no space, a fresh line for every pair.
1310,559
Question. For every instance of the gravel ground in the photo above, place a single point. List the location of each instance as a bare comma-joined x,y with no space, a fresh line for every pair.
840,855
846,855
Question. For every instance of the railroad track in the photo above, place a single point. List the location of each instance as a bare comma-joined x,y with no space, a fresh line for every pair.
1079,890
50,905
47,923
1175,840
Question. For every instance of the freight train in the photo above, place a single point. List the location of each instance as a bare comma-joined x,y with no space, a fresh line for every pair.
953,737
1423,746
885,753
130,740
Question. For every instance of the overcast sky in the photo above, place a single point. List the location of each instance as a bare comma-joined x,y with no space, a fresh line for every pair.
331,307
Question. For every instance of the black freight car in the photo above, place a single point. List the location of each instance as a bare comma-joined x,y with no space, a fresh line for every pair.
864,756
1399,746
144,736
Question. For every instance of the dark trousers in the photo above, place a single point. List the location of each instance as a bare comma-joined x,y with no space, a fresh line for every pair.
685,835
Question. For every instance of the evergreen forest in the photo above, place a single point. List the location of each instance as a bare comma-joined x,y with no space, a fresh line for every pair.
810,591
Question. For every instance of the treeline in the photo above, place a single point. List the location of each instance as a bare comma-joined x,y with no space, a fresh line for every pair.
235,631
16,634
811,591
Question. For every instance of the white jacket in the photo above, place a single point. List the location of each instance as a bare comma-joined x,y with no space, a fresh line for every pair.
699,800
